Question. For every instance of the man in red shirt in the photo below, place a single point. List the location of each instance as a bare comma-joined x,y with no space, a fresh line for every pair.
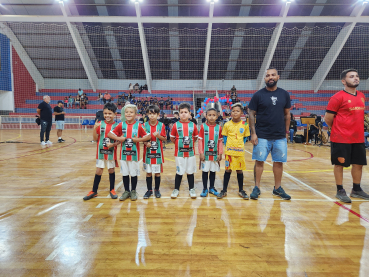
345,115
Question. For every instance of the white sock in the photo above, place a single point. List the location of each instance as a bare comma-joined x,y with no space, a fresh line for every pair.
59,137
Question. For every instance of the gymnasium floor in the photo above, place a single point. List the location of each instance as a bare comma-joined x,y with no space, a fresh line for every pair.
46,229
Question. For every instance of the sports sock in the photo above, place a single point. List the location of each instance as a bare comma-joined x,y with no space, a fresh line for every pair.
157,182
191,181
339,187
227,176
205,179
96,183
357,187
59,137
134,182
177,182
240,181
212,179
112,180
149,183
126,182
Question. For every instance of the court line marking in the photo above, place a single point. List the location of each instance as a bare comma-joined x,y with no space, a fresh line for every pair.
87,218
116,188
351,211
99,206
56,251
52,255
51,208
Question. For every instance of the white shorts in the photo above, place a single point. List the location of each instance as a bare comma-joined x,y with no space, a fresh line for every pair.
131,168
185,165
152,168
212,166
59,125
103,163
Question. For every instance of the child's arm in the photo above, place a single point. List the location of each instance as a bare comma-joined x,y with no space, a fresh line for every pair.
195,134
96,130
116,134
173,133
220,150
142,135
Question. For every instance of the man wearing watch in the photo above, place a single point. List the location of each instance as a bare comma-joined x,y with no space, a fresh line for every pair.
272,106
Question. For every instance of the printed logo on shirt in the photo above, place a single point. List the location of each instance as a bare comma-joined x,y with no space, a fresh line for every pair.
129,143
190,129
186,140
211,143
227,163
242,130
274,100
134,133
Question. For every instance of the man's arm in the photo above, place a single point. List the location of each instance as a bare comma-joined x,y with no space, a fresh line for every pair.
254,137
38,111
287,118
328,118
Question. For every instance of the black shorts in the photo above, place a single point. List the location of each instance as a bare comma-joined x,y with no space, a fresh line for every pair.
345,154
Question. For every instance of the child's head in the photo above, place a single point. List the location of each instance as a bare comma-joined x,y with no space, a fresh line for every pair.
153,111
130,112
211,115
184,111
109,111
236,111
176,115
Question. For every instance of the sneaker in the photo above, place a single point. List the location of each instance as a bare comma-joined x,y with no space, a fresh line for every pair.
204,193
213,191
125,195
255,193
281,193
49,142
90,195
222,194
59,141
43,143
157,194
133,195
193,193
243,194
62,140
359,194
148,194
175,194
342,196
113,195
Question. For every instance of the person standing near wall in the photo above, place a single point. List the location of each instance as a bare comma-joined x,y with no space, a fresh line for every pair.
46,117
59,120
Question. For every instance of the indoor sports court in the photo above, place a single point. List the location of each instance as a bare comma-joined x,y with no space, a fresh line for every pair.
83,54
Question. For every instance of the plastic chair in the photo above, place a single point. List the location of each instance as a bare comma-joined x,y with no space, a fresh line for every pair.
92,122
85,122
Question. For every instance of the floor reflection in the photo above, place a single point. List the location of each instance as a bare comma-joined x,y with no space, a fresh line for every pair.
143,235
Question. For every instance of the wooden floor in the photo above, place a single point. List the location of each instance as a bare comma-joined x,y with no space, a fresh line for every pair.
46,229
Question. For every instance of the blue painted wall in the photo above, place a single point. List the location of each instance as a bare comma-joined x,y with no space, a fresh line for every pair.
5,72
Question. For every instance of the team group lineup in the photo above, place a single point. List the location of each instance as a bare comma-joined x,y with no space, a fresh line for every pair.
271,105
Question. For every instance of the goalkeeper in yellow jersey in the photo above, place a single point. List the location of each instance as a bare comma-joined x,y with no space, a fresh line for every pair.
235,133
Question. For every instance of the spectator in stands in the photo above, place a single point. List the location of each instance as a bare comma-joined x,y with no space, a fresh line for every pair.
141,89
100,98
145,87
133,101
161,103
293,128
59,120
130,87
120,101
176,117
80,92
130,96
45,112
86,98
66,102
294,107
314,130
151,100
193,119
137,87
219,119
77,102
70,101
107,97
171,103
233,94
166,121
84,102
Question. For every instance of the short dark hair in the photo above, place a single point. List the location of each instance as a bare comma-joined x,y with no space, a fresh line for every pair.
184,106
211,109
110,106
153,109
237,105
271,67
176,113
344,73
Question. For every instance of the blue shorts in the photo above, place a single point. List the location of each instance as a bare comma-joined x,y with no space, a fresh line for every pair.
278,148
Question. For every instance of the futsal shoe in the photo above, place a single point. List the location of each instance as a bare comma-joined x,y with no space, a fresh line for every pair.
49,142
193,193
133,195
222,194
43,143
157,194
125,195
342,196
359,194
255,193
175,194
281,193
113,195
90,195
243,194
213,191
204,193
148,194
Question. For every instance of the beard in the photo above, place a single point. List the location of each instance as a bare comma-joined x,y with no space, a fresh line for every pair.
351,85
270,85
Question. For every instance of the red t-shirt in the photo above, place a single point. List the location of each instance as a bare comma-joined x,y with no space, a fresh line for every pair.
190,132
107,130
211,137
153,129
348,122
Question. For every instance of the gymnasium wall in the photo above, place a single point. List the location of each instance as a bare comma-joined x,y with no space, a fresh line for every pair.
6,92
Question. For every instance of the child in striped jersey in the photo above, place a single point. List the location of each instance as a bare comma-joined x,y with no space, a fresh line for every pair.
210,150
153,157
106,153
130,133
184,135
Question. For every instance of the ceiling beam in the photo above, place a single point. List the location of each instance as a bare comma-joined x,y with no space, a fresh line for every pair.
328,61
85,59
145,55
207,49
185,19
174,40
271,48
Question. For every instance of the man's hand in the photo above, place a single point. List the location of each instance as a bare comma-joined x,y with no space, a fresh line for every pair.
254,139
219,158
202,157
63,112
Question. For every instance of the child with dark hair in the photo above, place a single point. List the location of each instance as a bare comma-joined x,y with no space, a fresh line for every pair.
106,151
211,150
153,158
184,135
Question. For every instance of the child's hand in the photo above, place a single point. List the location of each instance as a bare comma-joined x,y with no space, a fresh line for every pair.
135,139
202,157
110,145
97,124
148,144
122,139
156,134
219,158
